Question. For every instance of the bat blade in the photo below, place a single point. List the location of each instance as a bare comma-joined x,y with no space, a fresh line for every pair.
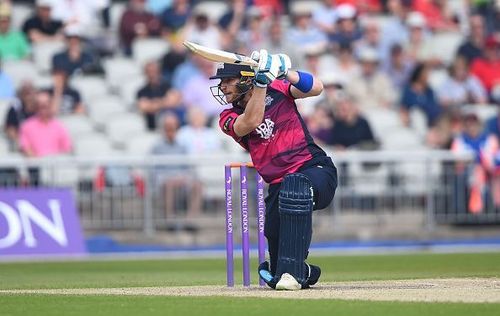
220,55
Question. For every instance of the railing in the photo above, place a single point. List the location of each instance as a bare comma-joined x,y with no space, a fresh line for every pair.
156,193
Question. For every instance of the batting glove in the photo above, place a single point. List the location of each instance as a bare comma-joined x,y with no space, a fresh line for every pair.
271,66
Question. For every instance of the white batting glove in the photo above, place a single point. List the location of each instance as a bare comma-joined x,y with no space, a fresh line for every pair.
271,66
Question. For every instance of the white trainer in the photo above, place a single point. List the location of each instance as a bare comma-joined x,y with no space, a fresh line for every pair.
287,282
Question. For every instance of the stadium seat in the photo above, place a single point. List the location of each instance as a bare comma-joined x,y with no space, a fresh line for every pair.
418,122
483,111
304,5
213,9
43,53
128,91
120,128
20,70
118,68
20,13
77,125
100,110
443,46
401,139
381,120
141,144
116,11
4,146
4,108
437,78
146,49
90,87
92,145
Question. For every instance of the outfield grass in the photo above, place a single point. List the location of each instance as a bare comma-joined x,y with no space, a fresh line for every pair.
212,271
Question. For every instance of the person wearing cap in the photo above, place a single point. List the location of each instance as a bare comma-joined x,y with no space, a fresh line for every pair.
74,58
136,22
487,68
201,30
416,45
347,31
41,27
264,120
399,67
484,147
175,17
371,87
13,43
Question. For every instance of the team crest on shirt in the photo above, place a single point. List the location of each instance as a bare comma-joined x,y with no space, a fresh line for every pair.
265,129
268,100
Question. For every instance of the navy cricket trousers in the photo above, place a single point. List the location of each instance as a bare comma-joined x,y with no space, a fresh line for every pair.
323,176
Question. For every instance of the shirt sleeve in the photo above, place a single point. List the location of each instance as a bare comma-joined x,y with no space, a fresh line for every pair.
226,123
282,86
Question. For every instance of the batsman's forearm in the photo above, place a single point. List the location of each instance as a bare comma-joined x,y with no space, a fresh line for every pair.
294,78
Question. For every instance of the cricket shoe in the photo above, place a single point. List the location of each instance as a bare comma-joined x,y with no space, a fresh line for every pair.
288,282
314,272
265,274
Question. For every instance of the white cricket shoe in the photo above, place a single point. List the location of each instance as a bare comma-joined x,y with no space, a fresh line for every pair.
287,282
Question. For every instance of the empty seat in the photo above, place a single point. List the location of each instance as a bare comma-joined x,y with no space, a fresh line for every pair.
100,110
4,108
443,46
146,49
141,144
20,13
77,125
401,139
381,120
129,89
121,127
483,111
92,145
213,9
20,70
418,121
90,87
43,53
119,68
4,146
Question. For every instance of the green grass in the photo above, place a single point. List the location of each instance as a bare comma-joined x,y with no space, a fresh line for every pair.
79,274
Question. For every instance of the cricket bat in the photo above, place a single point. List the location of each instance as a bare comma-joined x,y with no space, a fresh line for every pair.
220,55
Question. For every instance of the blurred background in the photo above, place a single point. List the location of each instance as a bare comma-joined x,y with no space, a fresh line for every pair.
101,97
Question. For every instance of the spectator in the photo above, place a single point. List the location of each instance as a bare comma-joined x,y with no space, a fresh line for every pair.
42,134
461,88
436,15
347,31
275,43
416,47
346,64
399,67
74,59
174,178
395,28
66,99
21,108
371,40
175,16
350,129
135,23
158,6
185,71
325,17
418,94
81,15
483,146
303,33
196,91
196,136
320,124
41,27
157,96
13,44
269,7
7,89
255,35
232,22
201,30
472,48
175,56
487,68
371,87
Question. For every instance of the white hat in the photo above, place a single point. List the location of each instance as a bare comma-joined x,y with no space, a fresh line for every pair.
345,11
415,19
368,55
44,3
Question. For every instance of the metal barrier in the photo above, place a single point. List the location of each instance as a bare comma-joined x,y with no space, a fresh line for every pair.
157,193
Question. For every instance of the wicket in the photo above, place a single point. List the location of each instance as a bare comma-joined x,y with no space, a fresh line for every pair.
245,229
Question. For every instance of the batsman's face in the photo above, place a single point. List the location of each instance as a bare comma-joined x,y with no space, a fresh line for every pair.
229,88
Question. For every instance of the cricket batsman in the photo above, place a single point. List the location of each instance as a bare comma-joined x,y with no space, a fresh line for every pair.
265,121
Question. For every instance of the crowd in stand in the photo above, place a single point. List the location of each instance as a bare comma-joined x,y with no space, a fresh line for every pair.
372,55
